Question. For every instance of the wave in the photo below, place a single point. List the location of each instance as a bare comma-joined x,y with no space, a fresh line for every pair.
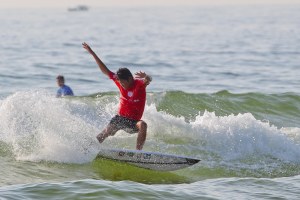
245,188
280,109
228,132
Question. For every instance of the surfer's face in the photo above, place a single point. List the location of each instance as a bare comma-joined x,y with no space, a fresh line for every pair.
60,82
125,83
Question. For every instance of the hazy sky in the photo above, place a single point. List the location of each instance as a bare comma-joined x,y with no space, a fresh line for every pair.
68,3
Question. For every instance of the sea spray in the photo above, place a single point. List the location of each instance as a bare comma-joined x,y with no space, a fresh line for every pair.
42,127
239,136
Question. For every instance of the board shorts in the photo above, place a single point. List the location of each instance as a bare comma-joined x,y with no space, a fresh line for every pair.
123,123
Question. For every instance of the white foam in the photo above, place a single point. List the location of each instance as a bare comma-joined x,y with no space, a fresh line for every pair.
42,127
227,137
240,136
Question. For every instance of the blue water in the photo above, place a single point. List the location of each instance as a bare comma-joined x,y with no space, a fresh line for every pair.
202,49
225,90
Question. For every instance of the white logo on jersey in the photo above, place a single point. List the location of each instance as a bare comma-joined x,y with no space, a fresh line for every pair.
130,93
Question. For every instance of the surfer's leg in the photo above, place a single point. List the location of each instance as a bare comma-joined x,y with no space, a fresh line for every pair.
108,131
142,126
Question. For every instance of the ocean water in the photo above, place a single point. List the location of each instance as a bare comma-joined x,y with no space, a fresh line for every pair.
225,90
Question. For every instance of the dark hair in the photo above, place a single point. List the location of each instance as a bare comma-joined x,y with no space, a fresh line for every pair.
60,78
124,74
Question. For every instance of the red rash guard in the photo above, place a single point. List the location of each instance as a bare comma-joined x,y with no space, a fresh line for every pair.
132,100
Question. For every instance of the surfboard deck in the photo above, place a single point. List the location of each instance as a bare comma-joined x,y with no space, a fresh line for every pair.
149,160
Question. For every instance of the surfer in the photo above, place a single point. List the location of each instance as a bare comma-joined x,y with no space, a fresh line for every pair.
63,90
132,101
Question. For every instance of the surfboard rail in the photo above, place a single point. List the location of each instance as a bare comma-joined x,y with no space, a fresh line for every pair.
148,160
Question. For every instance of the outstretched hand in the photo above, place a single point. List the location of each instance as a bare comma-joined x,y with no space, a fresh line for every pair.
143,75
140,74
87,47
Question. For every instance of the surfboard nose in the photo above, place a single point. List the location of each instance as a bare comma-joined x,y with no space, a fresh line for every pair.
192,161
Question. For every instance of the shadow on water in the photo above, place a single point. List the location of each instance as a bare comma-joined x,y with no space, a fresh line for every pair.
120,171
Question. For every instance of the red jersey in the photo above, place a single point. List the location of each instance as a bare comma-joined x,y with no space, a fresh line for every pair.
132,100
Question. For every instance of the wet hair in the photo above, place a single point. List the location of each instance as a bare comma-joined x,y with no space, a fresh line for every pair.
60,78
124,74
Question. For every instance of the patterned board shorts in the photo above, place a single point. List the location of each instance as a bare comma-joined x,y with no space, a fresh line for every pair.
123,123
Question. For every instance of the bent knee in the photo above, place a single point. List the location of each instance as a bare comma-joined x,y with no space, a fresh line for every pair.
142,125
104,134
100,137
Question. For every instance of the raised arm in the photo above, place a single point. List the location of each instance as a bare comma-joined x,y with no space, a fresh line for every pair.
101,65
143,75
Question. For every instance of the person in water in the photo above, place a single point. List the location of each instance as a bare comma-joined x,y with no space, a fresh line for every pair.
63,90
132,101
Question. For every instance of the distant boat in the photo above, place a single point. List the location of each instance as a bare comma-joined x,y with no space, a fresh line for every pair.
79,8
